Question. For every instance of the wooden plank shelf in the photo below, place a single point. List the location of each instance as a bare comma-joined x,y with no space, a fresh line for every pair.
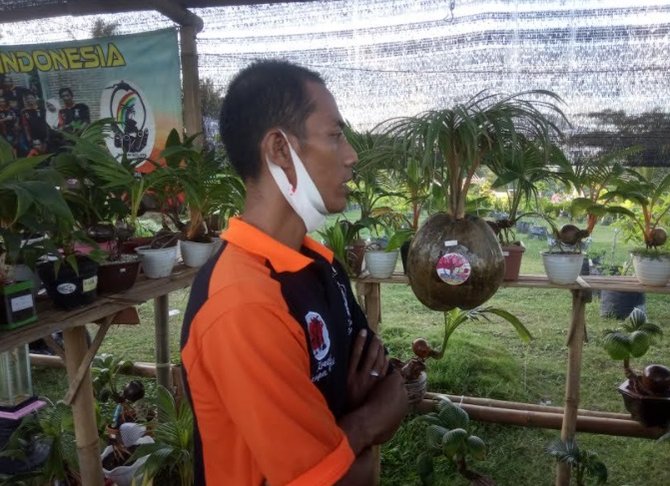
78,354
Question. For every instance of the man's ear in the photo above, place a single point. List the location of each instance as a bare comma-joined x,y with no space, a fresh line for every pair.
274,146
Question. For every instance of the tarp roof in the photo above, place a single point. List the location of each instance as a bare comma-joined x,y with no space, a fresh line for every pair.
608,59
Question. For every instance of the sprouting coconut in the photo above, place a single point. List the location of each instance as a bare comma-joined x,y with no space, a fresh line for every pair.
455,259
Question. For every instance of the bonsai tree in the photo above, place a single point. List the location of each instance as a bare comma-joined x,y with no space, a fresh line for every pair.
633,341
584,464
447,436
649,192
454,144
453,319
519,170
117,176
593,178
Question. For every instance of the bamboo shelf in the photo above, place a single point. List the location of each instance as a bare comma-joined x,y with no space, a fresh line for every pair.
568,419
78,354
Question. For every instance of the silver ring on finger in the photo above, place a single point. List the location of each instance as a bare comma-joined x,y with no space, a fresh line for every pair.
374,373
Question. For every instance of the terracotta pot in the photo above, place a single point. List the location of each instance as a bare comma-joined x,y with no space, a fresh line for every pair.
650,411
355,255
512,255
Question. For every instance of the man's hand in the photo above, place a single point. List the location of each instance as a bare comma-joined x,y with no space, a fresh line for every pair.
365,370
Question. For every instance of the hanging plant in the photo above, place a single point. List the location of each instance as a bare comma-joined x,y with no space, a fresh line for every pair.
455,259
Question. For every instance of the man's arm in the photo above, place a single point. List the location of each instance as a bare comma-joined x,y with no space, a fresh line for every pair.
383,405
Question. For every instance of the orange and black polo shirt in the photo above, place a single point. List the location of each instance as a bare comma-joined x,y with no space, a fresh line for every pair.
265,347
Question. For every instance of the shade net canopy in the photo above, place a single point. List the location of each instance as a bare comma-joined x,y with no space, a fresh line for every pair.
607,59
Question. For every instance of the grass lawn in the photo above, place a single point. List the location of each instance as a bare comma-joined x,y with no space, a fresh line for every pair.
486,360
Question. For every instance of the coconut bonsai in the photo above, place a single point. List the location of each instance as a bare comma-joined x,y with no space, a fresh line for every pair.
648,190
518,170
646,394
454,143
414,369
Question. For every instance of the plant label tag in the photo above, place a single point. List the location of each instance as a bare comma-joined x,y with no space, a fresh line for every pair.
449,243
90,283
66,288
453,268
22,303
505,253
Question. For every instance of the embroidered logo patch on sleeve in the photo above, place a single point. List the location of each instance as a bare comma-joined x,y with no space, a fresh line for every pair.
319,339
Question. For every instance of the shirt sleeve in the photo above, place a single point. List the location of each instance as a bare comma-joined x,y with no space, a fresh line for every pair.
261,367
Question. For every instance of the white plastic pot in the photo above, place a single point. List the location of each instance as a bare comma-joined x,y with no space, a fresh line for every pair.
562,268
131,434
654,271
157,263
194,253
380,263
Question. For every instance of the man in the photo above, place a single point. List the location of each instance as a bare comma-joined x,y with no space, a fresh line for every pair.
285,386
73,116
33,121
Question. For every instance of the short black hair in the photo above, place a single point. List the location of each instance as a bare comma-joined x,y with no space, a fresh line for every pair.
265,94
63,90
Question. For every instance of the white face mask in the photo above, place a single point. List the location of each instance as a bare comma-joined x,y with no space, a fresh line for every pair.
304,198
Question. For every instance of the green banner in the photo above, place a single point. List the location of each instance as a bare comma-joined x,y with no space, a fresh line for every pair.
133,79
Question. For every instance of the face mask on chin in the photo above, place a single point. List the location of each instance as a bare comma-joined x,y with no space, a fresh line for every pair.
304,198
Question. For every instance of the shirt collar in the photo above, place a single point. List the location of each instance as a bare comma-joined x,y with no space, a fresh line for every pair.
281,257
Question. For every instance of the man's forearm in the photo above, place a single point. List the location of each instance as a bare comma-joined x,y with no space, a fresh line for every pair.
361,472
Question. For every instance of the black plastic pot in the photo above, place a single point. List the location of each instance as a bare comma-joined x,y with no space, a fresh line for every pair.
619,305
70,289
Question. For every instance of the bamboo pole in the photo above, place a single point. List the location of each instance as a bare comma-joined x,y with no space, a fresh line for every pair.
83,409
552,420
191,88
575,343
489,402
161,324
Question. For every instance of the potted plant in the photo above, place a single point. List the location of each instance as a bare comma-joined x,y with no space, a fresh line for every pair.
414,369
646,395
198,174
519,169
454,143
342,237
650,192
583,463
170,459
447,435
564,259
100,212
26,193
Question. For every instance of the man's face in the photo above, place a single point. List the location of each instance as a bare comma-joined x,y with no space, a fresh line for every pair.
3,104
66,96
325,151
29,101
